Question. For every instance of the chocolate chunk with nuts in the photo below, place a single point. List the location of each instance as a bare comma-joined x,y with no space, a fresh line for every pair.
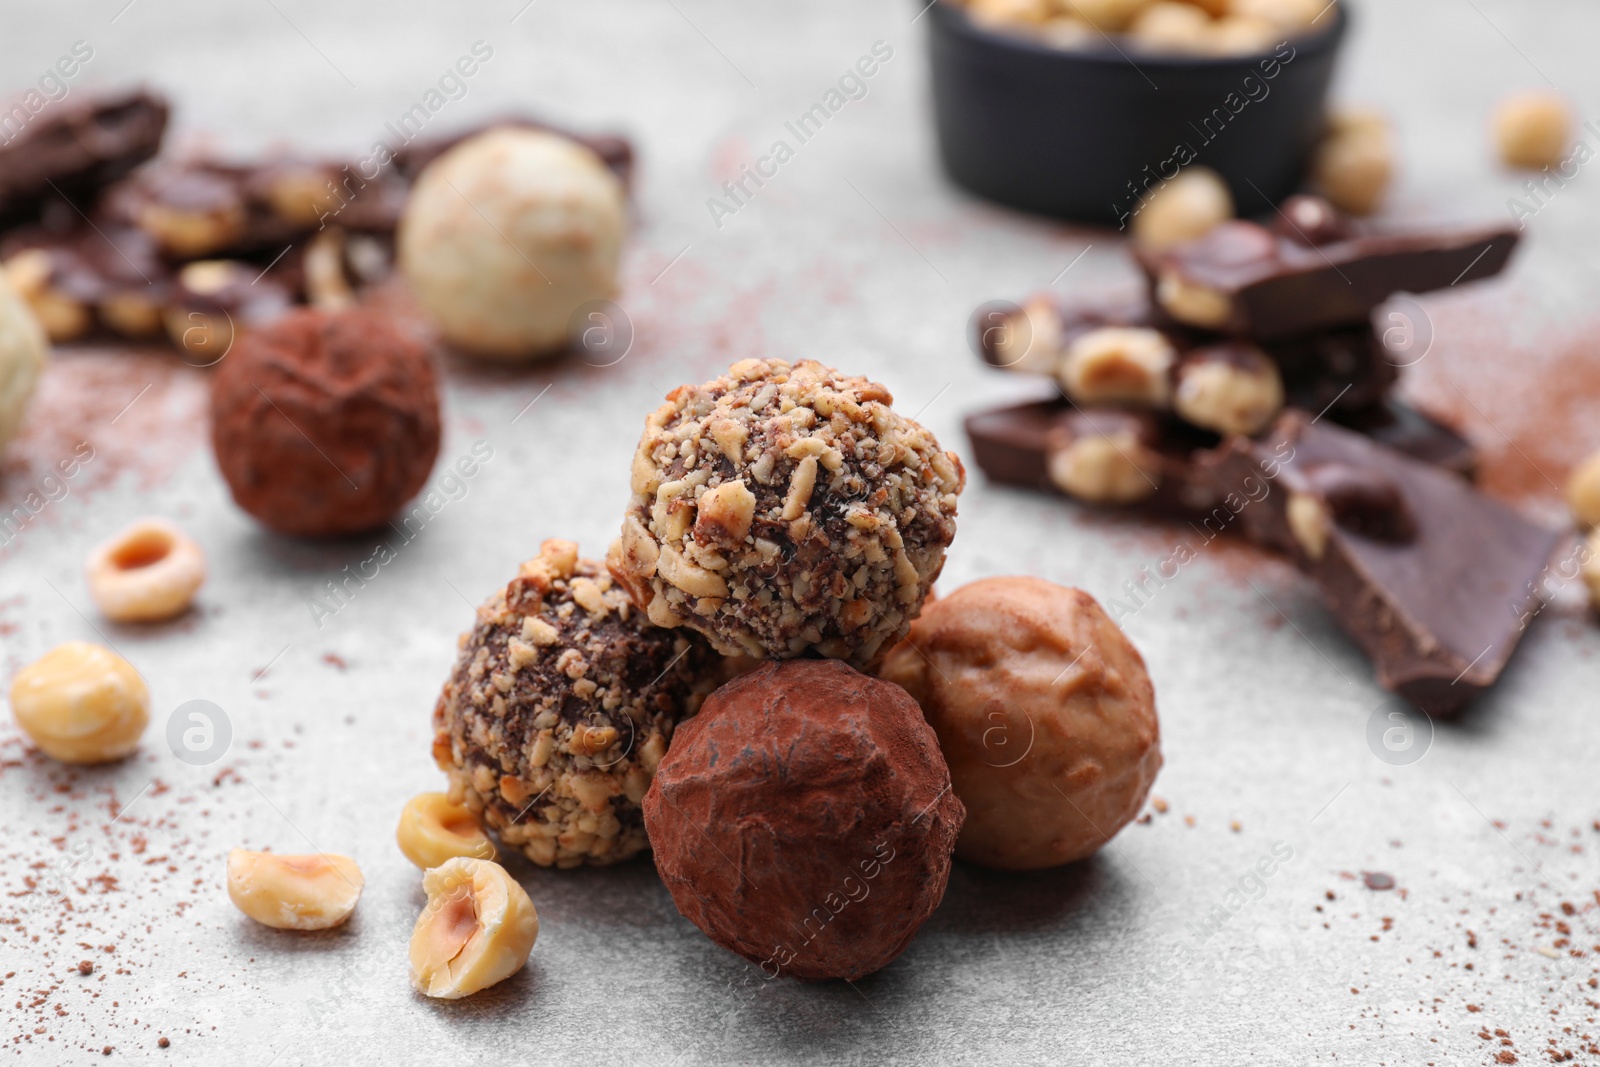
75,146
784,509
560,706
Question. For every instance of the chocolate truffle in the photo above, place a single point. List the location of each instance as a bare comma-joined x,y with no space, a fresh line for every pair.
509,233
804,819
1043,709
23,351
784,509
325,423
561,704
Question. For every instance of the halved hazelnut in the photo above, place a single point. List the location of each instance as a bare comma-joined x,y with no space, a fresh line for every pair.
433,831
1119,365
294,892
476,929
1192,303
1111,469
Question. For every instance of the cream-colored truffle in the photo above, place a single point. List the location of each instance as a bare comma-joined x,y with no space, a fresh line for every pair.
23,350
509,233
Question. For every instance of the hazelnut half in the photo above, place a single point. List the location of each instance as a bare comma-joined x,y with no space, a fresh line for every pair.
1119,365
1229,388
294,892
433,830
477,929
148,572
1113,468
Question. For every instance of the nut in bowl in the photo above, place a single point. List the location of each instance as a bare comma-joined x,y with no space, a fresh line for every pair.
1083,125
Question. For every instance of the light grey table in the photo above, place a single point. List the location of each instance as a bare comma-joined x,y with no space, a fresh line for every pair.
860,254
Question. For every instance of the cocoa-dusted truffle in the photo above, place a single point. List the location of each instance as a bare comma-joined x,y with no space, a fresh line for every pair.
561,704
325,422
1045,712
805,820
781,509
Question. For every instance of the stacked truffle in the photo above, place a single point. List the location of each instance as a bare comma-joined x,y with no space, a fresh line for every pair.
805,817
1256,344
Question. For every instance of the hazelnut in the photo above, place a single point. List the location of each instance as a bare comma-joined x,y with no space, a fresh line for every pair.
301,193
81,703
1288,16
1308,523
1240,35
1113,468
193,214
1229,388
1106,16
130,314
434,830
1187,207
1310,221
1119,364
32,274
1068,32
294,892
476,929
1533,129
1354,164
1191,303
326,284
148,572
1168,26
1583,492
1004,14
1026,340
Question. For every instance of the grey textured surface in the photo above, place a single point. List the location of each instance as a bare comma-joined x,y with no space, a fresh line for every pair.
857,253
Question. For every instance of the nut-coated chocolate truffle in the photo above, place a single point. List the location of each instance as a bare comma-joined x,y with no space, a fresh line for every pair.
1044,711
506,235
561,704
325,423
805,820
785,509
23,351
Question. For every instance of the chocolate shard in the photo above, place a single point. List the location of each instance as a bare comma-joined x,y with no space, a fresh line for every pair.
74,146
1403,428
1109,456
1434,580
1247,280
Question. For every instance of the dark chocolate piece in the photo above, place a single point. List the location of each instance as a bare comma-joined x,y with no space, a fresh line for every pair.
1405,429
74,146
1430,577
1244,279
1016,445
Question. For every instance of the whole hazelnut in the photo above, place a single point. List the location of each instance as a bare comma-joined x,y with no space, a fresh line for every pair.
1354,164
1230,388
1119,365
1533,129
1168,26
1185,208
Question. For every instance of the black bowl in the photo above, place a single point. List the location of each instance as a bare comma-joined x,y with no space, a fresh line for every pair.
1083,134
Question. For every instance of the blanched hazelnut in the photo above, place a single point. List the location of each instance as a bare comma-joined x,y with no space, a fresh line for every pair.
476,929
1354,164
1068,32
1113,468
32,274
1229,388
326,283
1003,14
1187,207
1192,303
294,892
81,703
1119,364
1168,26
1289,16
433,831
1107,16
1583,492
1533,129
148,572
1309,523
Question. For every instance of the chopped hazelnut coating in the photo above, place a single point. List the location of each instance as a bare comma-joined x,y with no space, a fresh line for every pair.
477,929
312,892
561,703
785,508
81,703
434,829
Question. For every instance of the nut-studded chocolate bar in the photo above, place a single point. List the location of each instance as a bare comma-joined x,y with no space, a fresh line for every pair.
74,146
1430,577
1248,280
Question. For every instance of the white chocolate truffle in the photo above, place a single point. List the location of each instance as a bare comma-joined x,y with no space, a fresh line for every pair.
506,235
23,350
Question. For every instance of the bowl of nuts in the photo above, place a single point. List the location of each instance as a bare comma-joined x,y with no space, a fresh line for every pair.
1080,109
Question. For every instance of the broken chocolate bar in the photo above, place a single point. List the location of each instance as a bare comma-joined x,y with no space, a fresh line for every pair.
73,147
1244,279
1430,577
